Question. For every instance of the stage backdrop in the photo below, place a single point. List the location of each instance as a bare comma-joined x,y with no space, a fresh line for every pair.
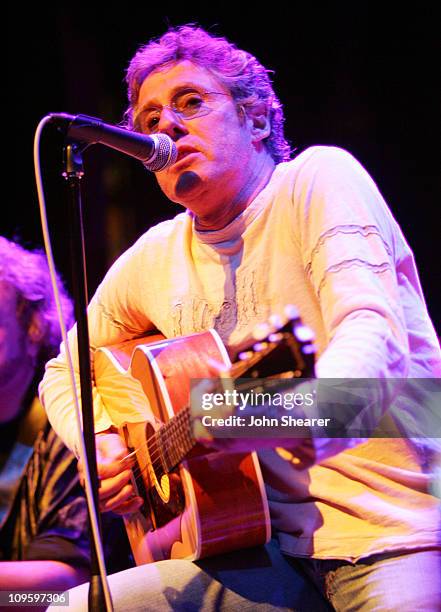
355,79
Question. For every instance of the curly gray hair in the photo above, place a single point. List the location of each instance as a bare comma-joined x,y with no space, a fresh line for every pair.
28,273
239,71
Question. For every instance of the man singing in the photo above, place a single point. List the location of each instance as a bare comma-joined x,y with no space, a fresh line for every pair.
358,529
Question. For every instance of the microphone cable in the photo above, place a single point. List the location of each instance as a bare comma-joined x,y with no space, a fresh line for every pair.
81,446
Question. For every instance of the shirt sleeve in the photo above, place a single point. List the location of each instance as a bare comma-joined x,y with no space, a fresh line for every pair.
347,235
50,521
116,313
51,513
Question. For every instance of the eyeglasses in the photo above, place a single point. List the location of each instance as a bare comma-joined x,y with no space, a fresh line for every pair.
185,104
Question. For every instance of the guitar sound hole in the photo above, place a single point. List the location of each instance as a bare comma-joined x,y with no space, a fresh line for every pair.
162,485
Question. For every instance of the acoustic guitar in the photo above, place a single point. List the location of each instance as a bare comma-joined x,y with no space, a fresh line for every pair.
197,502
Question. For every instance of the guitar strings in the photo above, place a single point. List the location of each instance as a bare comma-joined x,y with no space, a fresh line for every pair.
157,453
154,456
138,470
152,436
156,464
177,433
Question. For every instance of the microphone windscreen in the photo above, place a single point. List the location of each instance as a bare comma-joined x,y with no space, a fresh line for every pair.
165,155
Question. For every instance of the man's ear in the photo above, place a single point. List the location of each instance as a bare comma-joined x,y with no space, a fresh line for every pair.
258,115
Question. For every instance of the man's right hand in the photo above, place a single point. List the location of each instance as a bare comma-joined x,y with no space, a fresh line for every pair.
116,492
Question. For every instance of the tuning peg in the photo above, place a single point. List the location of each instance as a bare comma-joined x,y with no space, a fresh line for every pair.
304,333
261,331
245,355
309,349
291,312
260,346
275,337
275,321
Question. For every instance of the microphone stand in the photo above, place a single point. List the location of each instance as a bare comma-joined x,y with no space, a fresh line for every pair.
73,173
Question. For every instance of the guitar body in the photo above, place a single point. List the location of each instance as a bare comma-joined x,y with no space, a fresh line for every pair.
211,502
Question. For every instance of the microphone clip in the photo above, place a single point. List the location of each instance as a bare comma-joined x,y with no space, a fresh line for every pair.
73,159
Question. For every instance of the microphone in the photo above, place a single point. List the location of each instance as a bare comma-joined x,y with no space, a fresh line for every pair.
156,152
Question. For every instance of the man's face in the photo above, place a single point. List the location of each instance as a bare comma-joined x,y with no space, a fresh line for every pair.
214,149
13,339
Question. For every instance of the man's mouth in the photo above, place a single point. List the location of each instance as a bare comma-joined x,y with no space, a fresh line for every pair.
184,151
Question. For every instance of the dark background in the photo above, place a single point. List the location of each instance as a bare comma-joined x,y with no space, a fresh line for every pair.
354,78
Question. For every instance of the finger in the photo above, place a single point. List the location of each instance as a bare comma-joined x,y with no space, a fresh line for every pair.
124,495
110,447
111,486
109,469
112,453
129,507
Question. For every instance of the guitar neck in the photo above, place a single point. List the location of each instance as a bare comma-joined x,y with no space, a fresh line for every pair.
174,440
283,355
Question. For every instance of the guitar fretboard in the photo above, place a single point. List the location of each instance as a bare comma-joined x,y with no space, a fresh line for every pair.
174,440
284,356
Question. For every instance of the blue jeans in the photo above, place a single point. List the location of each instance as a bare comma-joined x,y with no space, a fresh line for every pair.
265,580
392,582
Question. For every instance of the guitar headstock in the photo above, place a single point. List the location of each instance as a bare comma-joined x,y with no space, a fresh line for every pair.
280,350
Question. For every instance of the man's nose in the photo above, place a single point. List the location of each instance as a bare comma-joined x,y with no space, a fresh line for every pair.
172,124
